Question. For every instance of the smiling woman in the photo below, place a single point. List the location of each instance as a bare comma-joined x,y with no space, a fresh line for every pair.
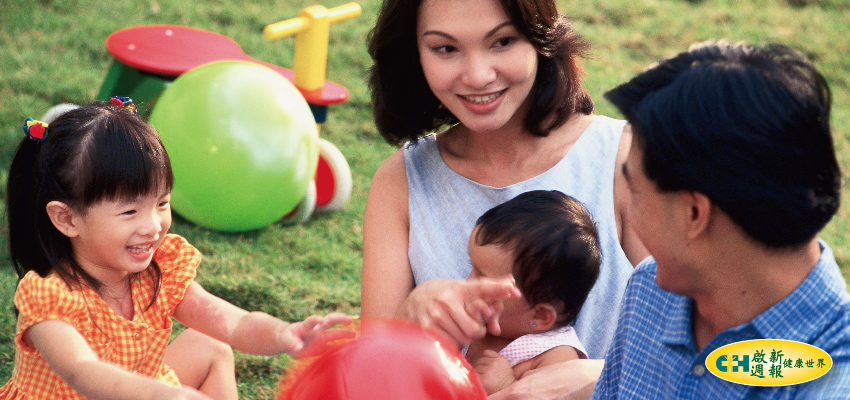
481,69
505,76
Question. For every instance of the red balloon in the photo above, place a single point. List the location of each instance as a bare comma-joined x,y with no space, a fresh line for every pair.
388,360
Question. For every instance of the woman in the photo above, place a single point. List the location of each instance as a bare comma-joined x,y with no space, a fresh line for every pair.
504,76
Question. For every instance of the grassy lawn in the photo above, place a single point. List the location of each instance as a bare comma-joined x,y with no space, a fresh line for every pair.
52,51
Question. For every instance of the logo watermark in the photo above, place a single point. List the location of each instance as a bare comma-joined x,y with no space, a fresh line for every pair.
768,362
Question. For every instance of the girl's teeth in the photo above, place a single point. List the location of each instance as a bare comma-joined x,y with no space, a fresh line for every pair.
139,249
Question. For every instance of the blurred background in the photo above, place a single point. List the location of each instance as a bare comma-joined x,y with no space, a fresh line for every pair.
53,51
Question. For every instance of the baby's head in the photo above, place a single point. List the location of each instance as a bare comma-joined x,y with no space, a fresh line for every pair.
90,154
549,243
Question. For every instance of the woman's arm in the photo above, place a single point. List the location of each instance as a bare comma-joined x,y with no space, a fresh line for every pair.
567,380
256,332
69,355
387,279
456,309
631,244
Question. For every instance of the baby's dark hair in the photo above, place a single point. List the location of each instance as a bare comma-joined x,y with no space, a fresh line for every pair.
555,245
93,153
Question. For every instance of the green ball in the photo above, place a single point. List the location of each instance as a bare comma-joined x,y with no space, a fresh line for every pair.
243,144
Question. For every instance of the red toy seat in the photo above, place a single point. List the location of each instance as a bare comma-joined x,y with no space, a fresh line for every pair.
172,50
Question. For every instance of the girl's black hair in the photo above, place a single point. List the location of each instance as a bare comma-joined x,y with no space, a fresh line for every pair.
93,153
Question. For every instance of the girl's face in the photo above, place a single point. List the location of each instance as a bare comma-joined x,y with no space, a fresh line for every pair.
495,261
476,62
116,238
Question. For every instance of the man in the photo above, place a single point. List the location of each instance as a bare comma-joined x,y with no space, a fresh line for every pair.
733,173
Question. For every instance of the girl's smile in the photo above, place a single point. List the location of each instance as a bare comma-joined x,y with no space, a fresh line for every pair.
112,239
141,252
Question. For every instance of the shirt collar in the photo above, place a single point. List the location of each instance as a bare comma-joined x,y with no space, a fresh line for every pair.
806,311
677,327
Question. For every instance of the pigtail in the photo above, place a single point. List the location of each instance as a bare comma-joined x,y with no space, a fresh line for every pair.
22,211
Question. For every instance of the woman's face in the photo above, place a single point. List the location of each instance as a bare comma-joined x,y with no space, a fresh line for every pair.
476,62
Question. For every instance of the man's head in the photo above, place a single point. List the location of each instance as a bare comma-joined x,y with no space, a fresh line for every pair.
745,125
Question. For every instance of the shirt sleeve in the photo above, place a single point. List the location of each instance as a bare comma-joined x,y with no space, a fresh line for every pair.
178,260
41,299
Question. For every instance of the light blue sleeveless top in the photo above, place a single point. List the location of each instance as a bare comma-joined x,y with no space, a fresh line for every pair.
445,205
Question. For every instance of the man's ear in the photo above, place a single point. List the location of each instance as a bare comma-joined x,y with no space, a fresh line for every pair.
62,216
699,215
544,317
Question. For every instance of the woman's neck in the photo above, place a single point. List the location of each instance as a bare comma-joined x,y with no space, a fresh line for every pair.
509,155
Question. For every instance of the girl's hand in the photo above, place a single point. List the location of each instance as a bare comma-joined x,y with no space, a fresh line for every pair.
460,310
183,393
494,371
311,336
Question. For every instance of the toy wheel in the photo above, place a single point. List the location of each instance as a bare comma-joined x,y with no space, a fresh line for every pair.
333,178
302,212
56,111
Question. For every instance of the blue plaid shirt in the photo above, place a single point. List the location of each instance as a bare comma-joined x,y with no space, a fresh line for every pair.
654,356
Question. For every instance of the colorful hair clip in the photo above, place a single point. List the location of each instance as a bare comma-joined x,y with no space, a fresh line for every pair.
35,130
124,102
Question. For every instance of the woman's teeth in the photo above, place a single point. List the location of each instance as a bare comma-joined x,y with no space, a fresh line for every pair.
483,99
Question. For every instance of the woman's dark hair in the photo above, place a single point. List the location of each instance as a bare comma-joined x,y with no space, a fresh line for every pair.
404,106
92,153
746,125
555,245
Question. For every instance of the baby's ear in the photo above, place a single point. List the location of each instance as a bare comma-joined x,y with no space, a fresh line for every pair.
544,317
62,217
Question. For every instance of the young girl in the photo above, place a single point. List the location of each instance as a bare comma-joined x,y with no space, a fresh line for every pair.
548,242
100,278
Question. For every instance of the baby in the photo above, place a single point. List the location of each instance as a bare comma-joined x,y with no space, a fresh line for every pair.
548,242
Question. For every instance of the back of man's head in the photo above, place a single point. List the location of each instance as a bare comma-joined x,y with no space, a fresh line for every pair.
748,126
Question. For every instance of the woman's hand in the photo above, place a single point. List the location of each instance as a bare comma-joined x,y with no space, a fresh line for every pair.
459,310
574,379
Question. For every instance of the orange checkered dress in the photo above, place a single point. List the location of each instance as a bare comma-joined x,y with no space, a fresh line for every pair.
137,345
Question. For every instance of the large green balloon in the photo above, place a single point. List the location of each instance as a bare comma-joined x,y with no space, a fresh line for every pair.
243,144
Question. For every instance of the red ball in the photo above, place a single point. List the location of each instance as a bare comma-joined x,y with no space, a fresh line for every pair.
388,360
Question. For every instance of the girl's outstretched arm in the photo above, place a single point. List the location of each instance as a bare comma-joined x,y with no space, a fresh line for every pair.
69,355
256,332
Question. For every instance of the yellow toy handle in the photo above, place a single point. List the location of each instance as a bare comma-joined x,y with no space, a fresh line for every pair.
312,26
301,23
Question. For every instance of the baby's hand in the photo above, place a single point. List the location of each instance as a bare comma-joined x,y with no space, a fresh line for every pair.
311,336
494,371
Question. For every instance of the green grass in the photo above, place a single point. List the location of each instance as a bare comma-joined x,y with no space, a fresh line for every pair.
52,51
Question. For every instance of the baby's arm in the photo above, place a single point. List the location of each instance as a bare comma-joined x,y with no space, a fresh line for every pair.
496,373
256,332
69,355
552,356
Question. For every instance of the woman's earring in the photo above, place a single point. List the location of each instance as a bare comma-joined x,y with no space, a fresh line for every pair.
534,324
